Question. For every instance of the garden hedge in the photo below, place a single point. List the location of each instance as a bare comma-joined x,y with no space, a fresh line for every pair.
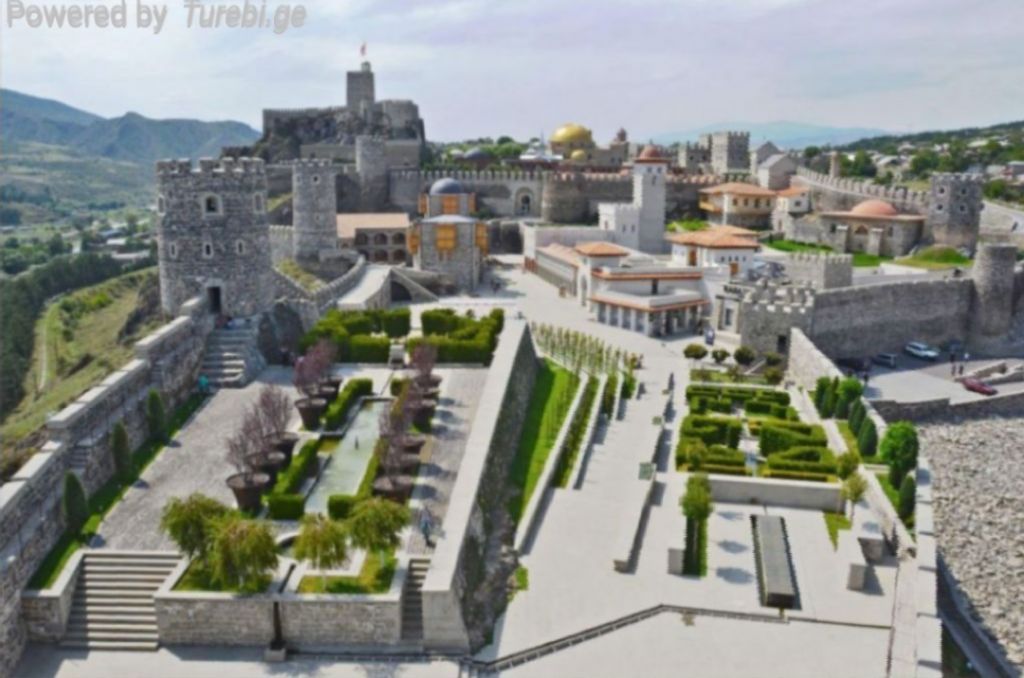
369,349
712,430
350,394
290,479
286,506
805,460
340,506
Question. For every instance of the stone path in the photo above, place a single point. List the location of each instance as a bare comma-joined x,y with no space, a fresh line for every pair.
460,394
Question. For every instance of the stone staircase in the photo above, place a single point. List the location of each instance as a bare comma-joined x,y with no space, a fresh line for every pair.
232,357
113,604
412,600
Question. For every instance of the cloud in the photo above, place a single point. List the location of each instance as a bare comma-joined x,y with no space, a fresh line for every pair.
490,67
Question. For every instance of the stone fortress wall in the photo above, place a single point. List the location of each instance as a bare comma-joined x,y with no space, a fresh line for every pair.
822,271
841,194
31,520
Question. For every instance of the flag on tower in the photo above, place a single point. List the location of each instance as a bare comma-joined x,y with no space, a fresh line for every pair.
362,50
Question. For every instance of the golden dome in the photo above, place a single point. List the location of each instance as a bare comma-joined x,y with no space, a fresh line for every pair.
572,133
578,154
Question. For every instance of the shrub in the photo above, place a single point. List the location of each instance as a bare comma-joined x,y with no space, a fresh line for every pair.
908,491
719,355
121,452
858,412
628,385
712,430
778,436
773,375
744,356
820,389
899,447
608,397
396,386
848,463
156,417
396,322
290,479
350,394
772,359
367,349
828,403
848,391
696,352
798,475
804,460
74,505
867,439
340,506
286,506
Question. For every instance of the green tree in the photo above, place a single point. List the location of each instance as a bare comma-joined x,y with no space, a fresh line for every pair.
848,391
820,389
773,375
772,359
744,356
848,464
190,523
376,523
322,542
697,507
74,504
828,403
243,553
908,492
867,439
156,417
695,351
120,450
899,447
853,490
857,413
719,355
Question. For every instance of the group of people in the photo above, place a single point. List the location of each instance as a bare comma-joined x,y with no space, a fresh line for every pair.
957,370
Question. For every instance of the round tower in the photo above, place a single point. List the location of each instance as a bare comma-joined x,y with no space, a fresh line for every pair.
992,303
314,208
213,236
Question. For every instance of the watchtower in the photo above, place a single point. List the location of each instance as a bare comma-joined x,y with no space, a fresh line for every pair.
213,236
314,208
359,92
992,303
954,210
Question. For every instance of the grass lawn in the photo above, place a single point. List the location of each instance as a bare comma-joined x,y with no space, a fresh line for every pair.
687,225
198,578
105,499
893,494
860,259
552,395
936,258
71,355
374,577
835,522
304,278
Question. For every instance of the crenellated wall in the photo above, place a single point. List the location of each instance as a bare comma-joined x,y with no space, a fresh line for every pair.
840,194
167,361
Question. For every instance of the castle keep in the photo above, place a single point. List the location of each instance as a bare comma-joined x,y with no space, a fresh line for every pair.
213,237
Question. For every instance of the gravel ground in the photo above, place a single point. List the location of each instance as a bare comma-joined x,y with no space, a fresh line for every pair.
979,507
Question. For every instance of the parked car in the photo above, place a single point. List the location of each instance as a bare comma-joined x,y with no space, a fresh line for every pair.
885,359
921,350
978,386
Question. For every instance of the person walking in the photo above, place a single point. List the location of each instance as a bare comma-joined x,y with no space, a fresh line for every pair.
426,525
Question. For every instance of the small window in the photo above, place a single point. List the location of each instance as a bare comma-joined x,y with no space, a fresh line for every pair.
211,205
963,208
207,250
172,251
938,207
963,191
161,205
942,190
316,178
240,247
257,203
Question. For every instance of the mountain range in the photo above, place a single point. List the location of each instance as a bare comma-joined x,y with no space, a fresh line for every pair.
130,138
784,134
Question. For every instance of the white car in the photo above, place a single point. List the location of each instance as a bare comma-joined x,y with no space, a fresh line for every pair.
921,350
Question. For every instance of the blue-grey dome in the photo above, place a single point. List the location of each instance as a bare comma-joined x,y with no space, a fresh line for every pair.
476,153
446,186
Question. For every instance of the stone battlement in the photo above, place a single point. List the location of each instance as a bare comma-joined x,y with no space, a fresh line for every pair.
312,163
168,169
900,195
467,175
821,257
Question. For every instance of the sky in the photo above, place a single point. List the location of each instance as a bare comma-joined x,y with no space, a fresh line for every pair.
523,67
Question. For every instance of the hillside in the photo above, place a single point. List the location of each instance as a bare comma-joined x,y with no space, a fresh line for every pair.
887,141
784,134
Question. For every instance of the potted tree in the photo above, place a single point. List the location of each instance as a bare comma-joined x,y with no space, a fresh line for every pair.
263,456
309,369
248,484
275,410
423,359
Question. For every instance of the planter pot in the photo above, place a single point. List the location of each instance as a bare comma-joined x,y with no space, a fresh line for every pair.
285,444
432,381
413,444
397,489
269,464
334,382
311,409
409,462
328,391
248,488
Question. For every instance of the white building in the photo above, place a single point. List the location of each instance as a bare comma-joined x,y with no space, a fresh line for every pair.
640,224
790,204
721,248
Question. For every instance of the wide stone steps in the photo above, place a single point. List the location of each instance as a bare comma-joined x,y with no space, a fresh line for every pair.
112,608
232,357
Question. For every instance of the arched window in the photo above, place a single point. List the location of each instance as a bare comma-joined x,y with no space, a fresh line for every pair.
211,205
240,246
208,250
316,178
257,203
172,251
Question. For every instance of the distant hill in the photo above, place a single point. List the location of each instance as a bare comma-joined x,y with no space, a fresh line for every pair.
784,134
131,137
877,143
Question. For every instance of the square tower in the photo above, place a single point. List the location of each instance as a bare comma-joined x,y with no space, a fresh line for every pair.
360,90
954,210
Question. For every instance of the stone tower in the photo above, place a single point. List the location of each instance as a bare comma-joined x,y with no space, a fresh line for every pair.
954,210
372,167
314,208
834,167
730,152
992,303
650,172
214,238
359,92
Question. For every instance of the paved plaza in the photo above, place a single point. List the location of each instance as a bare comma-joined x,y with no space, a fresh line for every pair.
917,380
